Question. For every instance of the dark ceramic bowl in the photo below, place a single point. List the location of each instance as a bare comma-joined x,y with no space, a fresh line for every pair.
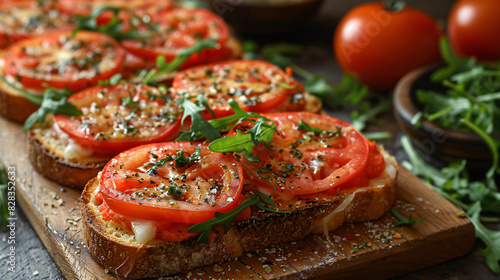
430,138
266,18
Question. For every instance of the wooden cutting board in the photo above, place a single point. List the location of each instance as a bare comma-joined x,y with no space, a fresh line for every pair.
55,214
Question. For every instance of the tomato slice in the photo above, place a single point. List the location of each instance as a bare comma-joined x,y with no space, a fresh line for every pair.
255,85
140,7
179,29
26,18
303,162
119,117
149,182
60,60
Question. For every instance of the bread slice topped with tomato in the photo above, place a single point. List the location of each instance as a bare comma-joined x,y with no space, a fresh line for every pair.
159,209
71,148
137,34
112,118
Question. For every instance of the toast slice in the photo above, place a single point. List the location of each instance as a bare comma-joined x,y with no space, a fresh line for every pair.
116,248
58,158
13,105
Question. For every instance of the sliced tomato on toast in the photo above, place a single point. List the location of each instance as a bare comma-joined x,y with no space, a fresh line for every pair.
27,18
302,162
61,60
256,86
118,117
179,29
179,182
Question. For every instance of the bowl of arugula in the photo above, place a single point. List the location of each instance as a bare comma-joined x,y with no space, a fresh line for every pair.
452,111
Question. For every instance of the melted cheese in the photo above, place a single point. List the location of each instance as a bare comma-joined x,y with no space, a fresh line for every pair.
74,151
144,231
340,208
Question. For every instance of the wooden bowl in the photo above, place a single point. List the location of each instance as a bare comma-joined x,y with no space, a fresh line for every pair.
266,18
430,138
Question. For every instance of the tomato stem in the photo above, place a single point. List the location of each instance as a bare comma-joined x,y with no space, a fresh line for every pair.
394,5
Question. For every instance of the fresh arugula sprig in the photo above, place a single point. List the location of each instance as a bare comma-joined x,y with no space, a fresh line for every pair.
262,131
226,219
476,197
199,126
53,101
116,25
114,80
304,126
4,211
163,67
471,94
403,220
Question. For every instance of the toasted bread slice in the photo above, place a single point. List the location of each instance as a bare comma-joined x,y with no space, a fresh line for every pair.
117,250
57,158
13,105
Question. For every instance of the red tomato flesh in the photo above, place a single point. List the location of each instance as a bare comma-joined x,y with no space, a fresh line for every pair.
254,85
137,183
119,117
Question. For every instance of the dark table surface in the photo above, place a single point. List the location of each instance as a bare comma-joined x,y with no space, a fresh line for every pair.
34,262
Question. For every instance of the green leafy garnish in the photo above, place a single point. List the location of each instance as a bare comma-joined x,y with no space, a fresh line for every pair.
114,80
116,25
403,220
182,56
304,126
199,126
181,160
53,101
262,131
175,191
226,219
4,211
476,197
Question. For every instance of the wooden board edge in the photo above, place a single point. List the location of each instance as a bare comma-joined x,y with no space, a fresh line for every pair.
48,238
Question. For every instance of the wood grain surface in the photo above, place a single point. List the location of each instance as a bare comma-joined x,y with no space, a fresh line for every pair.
55,215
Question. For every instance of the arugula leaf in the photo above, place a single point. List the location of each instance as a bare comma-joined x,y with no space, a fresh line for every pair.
114,80
489,237
226,219
33,98
54,102
260,132
403,220
476,197
4,211
304,126
181,57
454,63
222,219
116,25
199,126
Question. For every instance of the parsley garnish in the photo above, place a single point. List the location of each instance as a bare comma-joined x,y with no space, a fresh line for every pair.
175,191
403,220
181,160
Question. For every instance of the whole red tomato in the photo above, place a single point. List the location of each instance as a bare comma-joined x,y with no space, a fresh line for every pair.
473,27
380,46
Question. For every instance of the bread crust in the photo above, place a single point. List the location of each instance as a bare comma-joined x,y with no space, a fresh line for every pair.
262,230
13,105
47,158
